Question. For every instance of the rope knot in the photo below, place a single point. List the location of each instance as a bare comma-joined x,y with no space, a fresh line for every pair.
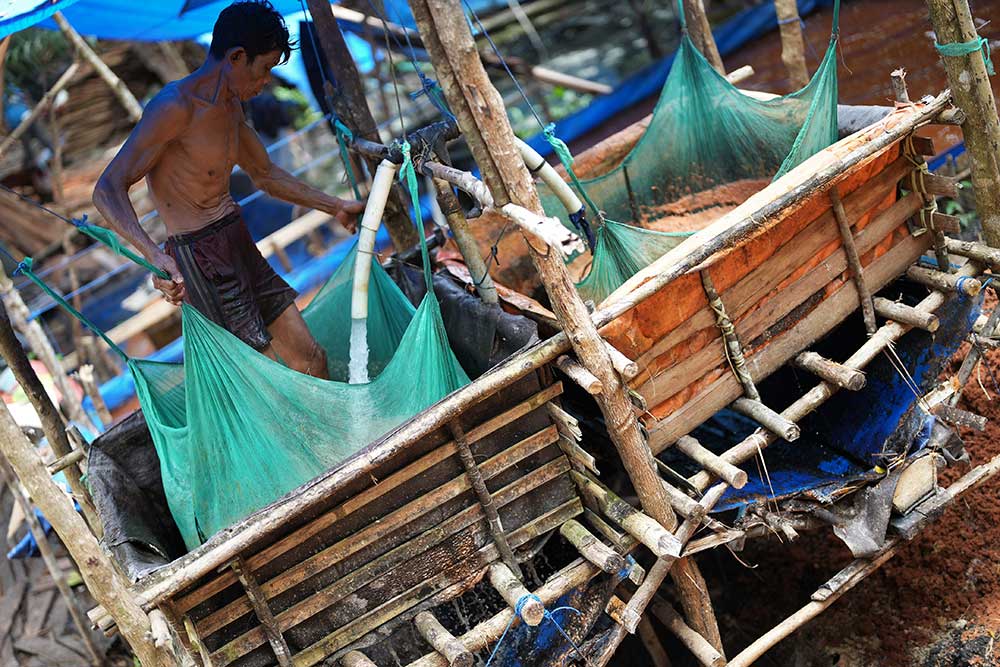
79,222
24,266
956,49
959,283
342,130
548,616
525,599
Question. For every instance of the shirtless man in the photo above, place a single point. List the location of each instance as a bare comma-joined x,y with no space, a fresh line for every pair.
190,136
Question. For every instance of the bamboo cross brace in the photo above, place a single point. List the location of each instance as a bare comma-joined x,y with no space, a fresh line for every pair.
684,504
768,418
698,645
513,592
718,466
854,261
900,312
730,341
475,476
592,548
443,641
944,282
259,601
831,371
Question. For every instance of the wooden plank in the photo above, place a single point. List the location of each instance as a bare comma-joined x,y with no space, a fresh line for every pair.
342,637
336,552
367,496
384,564
835,308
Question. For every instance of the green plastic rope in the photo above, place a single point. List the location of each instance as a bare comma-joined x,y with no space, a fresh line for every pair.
25,267
111,240
562,150
408,175
956,49
344,137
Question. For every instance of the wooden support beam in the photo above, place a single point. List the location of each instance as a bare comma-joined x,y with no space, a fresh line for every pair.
592,548
466,242
51,562
900,312
701,33
118,87
580,375
86,375
43,104
478,484
793,52
443,641
351,106
258,599
970,87
718,466
831,371
853,261
704,652
356,659
637,524
944,282
513,592
980,252
768,418
684,504
627,368
103,580
52,423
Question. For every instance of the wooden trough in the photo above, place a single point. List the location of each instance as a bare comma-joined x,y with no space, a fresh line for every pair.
355,560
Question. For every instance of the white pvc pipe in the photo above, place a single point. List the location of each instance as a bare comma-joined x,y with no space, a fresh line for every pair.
536,164
370,222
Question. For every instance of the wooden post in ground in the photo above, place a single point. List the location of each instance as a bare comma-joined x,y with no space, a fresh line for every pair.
479,110
701,33
40,345
118,86
105,583
971,91
52,424
351,106
793,52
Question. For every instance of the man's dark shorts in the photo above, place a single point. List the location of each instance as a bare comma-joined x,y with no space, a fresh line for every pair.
229,281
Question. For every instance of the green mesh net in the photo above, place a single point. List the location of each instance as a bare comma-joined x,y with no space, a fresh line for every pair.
235,430
704,132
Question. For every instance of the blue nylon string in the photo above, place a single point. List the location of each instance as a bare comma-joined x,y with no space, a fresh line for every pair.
519,607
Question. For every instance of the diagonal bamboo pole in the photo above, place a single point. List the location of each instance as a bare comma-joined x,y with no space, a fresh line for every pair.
479,110
43,104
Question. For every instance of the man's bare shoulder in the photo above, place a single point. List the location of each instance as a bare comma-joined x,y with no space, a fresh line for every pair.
171,105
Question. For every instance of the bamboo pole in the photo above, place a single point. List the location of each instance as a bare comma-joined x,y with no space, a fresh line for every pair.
466,242
479,110
4,46
657,654
351,106
443,641
944,282
356,659
52,424
513,592
853,260
117,86
970,86
701,649
900,312
43,103
103,580
580,375
701,33
831,371
51,563
86,375
793,52
592,548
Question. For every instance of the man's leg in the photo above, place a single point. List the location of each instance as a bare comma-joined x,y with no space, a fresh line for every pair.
294,344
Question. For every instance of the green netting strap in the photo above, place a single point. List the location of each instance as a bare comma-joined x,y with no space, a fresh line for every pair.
562,150
25,267
408,175
111,240
344,137
956,49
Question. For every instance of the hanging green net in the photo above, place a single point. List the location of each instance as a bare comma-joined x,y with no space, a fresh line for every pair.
704,132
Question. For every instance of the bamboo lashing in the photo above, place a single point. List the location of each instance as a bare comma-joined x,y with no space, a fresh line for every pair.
478,484
443,641
513,592
831,371
592,548
900,312
854,261
730,342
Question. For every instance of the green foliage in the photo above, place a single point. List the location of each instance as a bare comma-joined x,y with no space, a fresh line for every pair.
35,58
966,215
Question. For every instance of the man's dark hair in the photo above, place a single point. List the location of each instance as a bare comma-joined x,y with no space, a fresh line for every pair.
253,24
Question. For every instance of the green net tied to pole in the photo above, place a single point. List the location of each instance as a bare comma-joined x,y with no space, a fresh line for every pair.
704,132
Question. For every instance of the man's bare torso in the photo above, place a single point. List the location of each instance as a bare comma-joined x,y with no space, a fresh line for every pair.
189,184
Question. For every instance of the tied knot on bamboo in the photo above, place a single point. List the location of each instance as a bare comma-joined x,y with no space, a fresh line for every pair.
548,616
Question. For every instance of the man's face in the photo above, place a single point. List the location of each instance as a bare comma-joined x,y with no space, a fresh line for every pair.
247,78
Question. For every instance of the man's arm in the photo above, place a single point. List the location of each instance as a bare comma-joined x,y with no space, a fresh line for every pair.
162,121
277,182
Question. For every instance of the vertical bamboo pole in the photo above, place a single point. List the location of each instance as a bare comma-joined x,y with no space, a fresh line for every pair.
479,110
352,108
970,88
793,52
118,86
701,33
102,579
52,424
